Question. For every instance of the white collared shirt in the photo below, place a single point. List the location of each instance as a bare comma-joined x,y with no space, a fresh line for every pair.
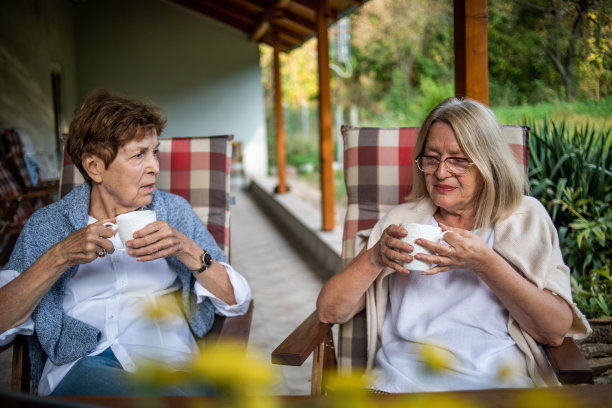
113,294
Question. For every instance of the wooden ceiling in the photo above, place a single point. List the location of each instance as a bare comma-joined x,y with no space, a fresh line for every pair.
293,20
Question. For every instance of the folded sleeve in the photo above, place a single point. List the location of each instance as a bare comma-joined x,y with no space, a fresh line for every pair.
242,294
27,327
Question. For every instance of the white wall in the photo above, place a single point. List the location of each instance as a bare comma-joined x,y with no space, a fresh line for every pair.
35,37
204,75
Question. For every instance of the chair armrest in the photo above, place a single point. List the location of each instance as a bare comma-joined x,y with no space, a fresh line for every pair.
569,364
296,348
237,328
46,190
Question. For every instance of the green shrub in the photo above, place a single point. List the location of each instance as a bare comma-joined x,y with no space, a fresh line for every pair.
570,171
303,154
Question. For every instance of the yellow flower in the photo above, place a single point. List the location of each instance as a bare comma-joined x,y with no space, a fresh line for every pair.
436,359
161,308
347,390
507,372
152,375
231,368
544,397
432,401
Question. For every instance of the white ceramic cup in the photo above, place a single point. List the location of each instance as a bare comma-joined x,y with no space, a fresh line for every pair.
128,223
415,231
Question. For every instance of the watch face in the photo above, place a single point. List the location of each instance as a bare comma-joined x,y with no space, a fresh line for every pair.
207,259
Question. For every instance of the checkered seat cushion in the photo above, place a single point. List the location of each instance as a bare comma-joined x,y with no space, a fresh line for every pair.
14,178
196,168
378,164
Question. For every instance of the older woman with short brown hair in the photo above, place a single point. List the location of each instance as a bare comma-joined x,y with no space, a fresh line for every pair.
80,301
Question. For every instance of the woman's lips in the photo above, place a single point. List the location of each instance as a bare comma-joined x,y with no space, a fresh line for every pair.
149,187
443,188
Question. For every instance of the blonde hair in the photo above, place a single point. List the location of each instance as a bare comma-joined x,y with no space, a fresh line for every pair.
481,138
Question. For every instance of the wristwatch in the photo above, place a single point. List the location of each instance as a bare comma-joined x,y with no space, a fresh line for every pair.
206,262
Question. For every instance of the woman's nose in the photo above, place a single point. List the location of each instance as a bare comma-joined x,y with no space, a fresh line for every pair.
442,170
153,164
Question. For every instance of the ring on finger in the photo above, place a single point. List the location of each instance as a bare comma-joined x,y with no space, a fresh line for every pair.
102,253
450,250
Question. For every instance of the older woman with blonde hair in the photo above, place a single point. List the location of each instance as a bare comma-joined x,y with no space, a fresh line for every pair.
497,287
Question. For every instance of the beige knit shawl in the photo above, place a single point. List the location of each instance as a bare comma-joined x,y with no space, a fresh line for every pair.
528,240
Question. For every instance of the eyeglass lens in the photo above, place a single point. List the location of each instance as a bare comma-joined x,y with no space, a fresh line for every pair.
456,165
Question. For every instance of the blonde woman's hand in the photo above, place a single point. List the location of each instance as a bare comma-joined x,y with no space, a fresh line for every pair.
462,250
391,251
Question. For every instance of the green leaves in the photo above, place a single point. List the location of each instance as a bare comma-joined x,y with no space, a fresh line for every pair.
570,173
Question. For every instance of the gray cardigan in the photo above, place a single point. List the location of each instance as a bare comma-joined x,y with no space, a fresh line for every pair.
64,339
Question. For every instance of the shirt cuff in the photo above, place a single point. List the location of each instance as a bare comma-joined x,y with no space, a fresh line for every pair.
242,294
27,327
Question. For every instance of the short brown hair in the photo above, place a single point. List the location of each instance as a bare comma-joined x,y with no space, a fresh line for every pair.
105,122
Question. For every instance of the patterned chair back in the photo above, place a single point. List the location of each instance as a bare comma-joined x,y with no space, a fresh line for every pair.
378,176
196,168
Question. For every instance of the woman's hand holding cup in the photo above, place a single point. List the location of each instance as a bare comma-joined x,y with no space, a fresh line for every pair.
83,246
463,250
392,250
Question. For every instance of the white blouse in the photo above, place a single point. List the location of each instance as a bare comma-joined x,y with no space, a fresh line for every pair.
457,315
113,294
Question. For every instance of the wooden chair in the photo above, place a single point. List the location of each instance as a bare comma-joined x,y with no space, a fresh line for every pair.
198,169
19,198
378,176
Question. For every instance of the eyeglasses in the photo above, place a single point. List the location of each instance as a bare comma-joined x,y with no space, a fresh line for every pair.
455,165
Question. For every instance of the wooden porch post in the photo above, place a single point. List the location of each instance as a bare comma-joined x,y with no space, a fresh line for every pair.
281,159
471,53
326,145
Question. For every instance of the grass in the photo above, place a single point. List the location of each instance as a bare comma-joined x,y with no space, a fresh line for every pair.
596,112
314,180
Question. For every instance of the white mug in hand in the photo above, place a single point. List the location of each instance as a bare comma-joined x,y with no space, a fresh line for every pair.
415,231
128,223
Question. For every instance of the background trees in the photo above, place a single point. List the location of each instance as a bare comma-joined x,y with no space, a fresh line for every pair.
401,59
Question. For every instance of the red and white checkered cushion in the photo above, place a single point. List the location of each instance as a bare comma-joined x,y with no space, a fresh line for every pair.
14,177
378,173
378,176
196,168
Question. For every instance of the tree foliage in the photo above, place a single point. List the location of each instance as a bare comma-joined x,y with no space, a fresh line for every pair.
541,50
402,58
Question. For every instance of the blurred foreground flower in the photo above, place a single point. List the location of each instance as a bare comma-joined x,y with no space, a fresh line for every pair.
436,359
436,400
161,308
241,379
230,367
348,390
544,397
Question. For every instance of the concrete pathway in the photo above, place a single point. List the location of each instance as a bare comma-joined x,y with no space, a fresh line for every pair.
284,282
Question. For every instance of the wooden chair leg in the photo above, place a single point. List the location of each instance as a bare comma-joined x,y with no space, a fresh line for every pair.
20,377
323,362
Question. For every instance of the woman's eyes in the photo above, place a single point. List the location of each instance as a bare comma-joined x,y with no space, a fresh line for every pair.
142,154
